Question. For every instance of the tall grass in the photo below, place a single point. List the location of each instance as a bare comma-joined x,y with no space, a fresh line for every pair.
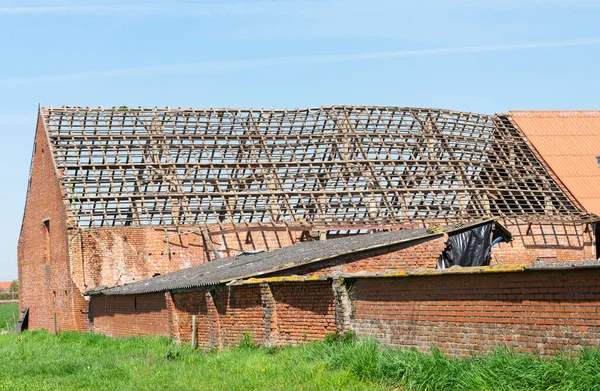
73,361
8,314
501,369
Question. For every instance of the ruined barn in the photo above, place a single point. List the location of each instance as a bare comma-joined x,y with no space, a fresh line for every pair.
419,227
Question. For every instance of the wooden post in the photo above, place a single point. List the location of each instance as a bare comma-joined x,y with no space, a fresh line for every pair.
194,333
54,322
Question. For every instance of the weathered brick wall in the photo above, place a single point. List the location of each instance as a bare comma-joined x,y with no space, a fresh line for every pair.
552,243
543,312
44,271
422,253
300,312
239,312
538,311
115,256
198,303
132,315
223,315
304,311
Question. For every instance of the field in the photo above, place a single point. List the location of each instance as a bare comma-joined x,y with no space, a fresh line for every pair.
6,315
73,361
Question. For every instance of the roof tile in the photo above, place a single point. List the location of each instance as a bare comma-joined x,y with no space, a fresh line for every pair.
569,142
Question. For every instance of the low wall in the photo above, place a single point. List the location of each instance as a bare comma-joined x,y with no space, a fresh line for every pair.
539,311
543,312
125,316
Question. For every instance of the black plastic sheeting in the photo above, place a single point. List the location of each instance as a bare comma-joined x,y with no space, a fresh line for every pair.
471,247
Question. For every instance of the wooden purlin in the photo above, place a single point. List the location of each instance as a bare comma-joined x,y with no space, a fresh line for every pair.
328,166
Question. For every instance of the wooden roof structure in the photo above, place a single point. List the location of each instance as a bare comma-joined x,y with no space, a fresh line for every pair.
329,167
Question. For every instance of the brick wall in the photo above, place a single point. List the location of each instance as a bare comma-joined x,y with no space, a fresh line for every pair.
45,282
552,243
292,313
537,311
223,315
544,312
115,256
423,253
303,311
132,315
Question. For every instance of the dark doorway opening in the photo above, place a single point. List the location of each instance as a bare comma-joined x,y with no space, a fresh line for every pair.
596,238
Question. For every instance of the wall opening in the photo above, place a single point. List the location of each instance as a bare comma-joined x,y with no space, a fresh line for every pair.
47,251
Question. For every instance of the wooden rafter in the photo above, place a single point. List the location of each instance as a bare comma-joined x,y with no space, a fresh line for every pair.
322,167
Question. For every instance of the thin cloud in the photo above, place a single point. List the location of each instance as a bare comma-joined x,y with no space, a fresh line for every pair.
234,65
240,7
136,8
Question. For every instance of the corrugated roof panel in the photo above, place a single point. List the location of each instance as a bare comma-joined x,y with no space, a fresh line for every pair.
569,141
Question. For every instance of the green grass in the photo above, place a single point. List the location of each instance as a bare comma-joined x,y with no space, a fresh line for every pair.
6,315
73,361
501,369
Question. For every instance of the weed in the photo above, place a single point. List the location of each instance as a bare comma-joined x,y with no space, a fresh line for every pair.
247,341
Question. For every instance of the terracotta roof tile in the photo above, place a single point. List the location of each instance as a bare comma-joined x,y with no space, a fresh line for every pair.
569,142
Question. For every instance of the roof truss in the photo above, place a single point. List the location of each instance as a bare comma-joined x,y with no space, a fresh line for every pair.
327,167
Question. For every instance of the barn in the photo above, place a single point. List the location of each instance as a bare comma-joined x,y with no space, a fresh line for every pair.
418,227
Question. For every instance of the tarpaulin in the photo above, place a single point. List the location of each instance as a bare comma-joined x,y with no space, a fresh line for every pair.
469,247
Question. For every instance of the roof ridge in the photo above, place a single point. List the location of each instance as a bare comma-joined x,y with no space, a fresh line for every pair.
554,113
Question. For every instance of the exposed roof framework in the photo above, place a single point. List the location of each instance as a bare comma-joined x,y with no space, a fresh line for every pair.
325,167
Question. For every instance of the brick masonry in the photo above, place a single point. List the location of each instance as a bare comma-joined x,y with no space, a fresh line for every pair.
121,316
537,311
45,282
550,243
543,312
57,262
299,312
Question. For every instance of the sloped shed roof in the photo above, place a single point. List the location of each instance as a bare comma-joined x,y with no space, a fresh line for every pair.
569,142
324,166
244,266
225,270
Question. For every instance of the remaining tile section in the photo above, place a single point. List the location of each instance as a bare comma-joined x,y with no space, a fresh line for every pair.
569,142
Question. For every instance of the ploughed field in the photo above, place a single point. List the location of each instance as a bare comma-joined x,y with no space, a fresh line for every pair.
72,361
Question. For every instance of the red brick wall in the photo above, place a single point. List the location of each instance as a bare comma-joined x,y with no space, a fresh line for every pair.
239,312
132,315
543,312
423,253
44,271
198,303
304,311
223,315
552,243
114,256
538,311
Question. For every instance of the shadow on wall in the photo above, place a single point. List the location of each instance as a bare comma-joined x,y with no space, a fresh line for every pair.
563,236
131,304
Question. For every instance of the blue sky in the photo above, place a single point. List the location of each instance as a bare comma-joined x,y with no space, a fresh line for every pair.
484,56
